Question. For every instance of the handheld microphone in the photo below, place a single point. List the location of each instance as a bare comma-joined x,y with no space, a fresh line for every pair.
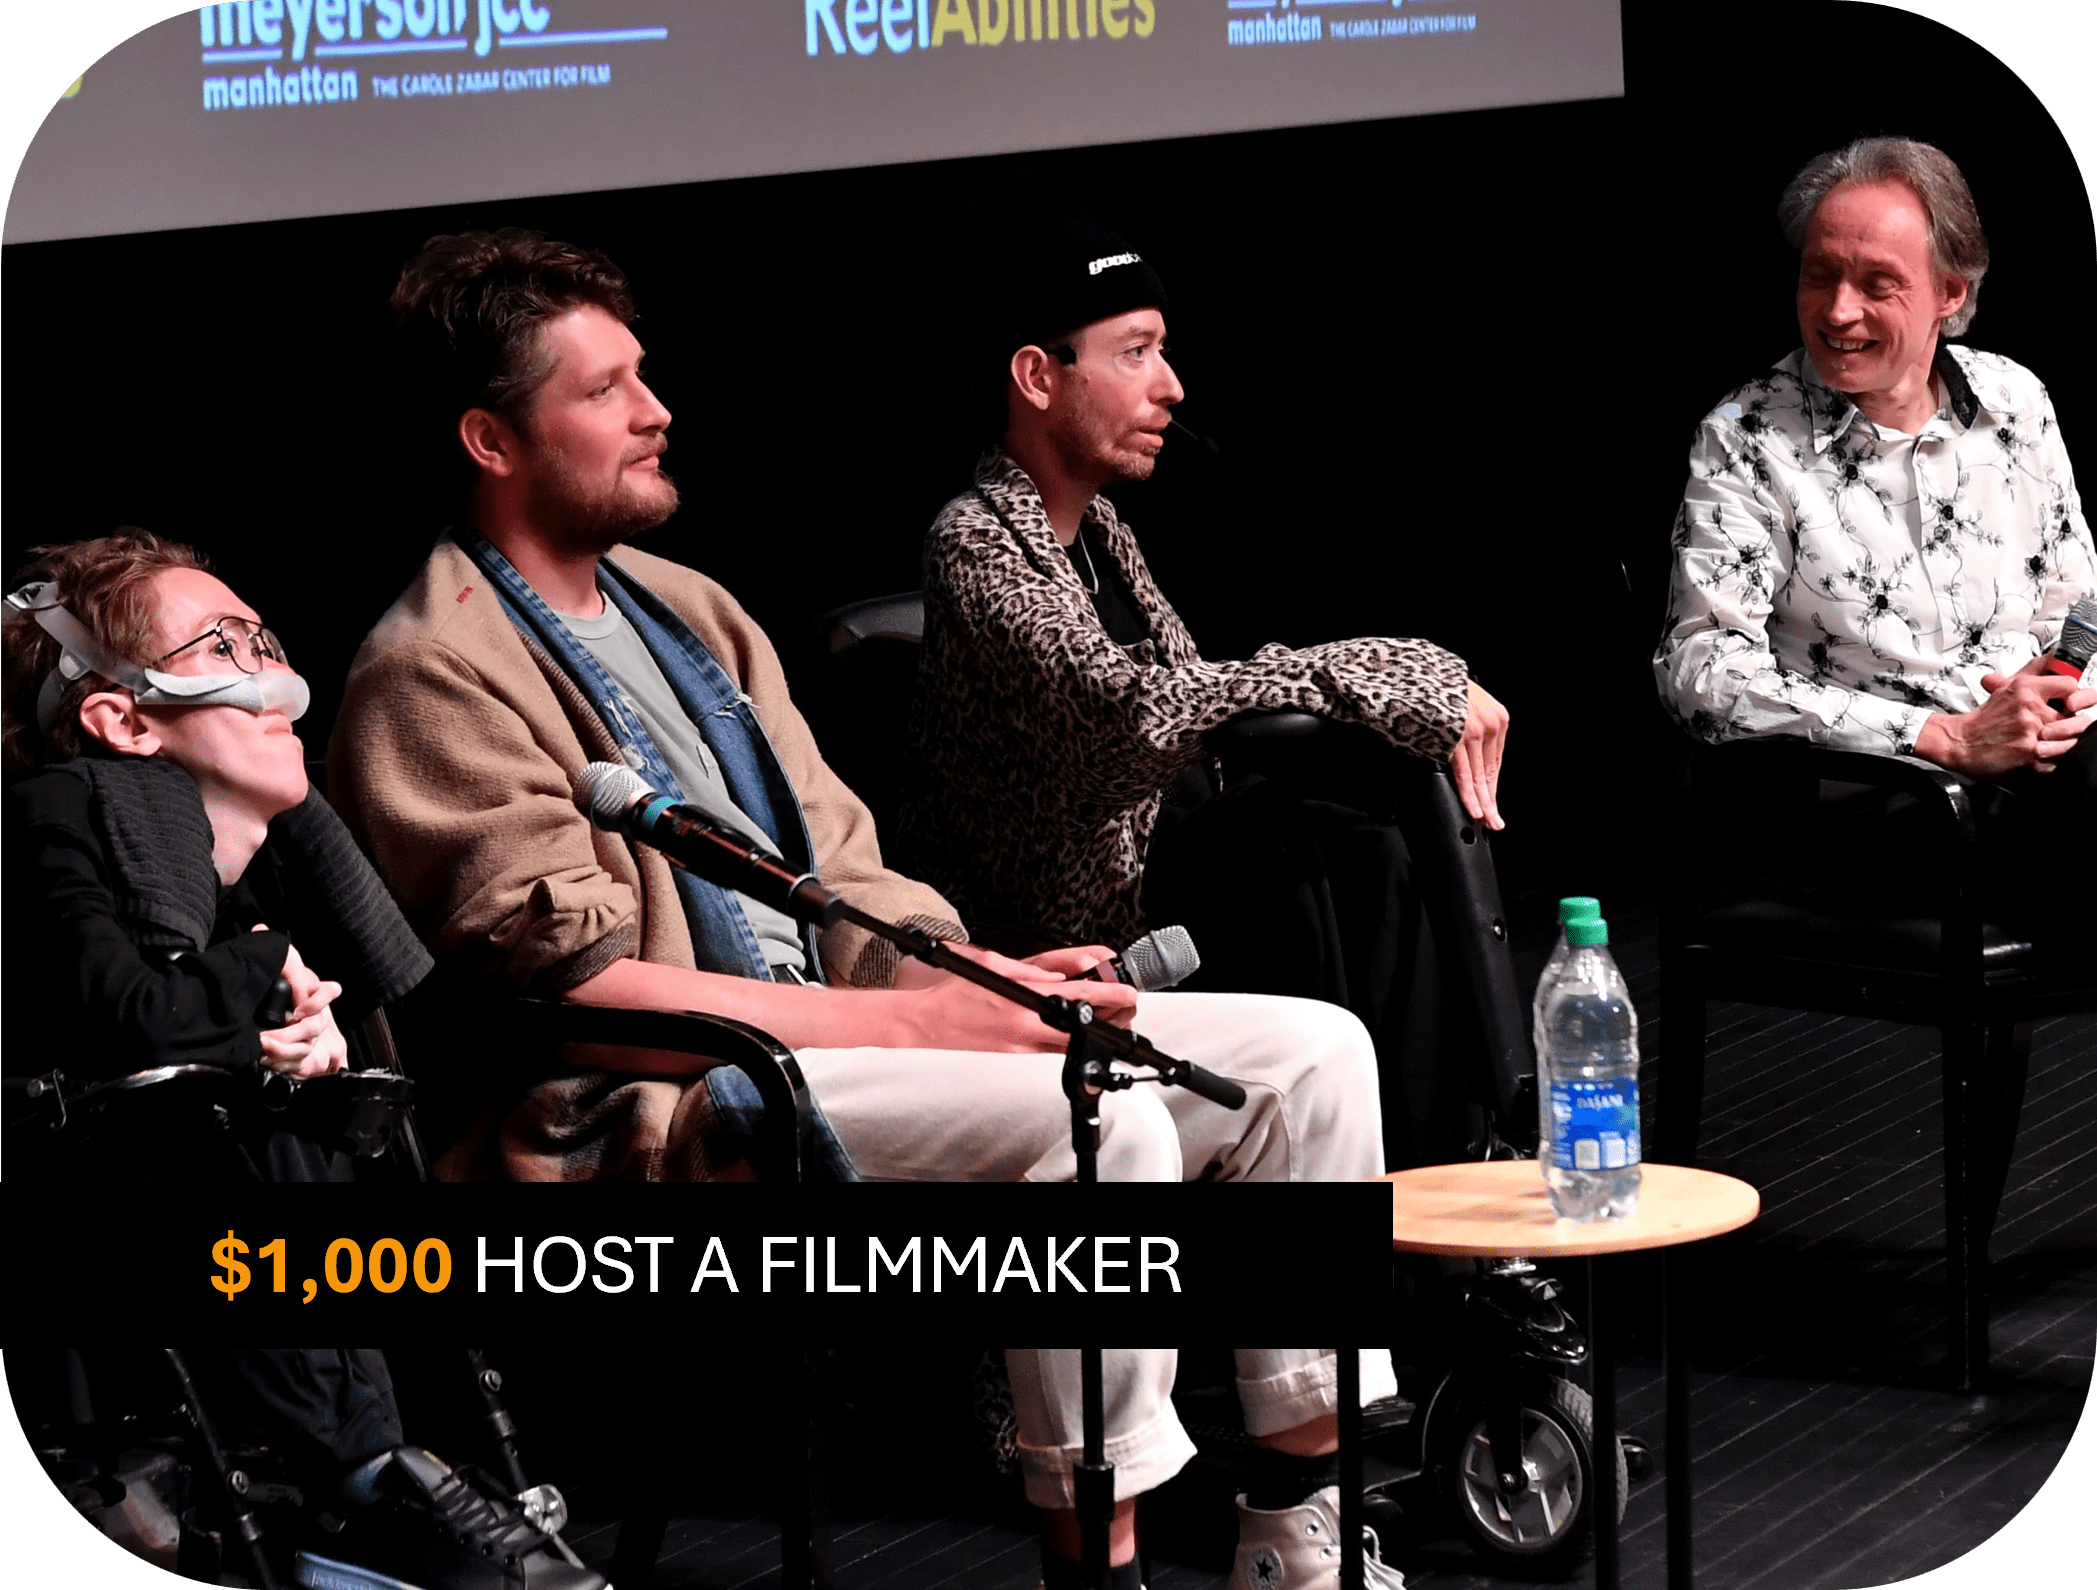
2074,652
617,799
1157,960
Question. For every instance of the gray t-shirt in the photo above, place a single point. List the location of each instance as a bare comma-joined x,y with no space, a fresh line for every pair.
647,694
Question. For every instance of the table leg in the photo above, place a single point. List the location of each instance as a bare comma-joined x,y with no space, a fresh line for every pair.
1601,1347
804,1514
1674,1312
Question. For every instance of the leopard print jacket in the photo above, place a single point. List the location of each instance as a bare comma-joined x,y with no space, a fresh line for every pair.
1041,750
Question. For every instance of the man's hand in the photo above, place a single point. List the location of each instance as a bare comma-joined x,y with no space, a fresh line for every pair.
310,1044
952,1013
2026,721
963,1016
1476,759
913,974
1075,961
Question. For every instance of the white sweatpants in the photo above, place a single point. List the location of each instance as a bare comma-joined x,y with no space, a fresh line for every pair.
1278,1387
1308,1069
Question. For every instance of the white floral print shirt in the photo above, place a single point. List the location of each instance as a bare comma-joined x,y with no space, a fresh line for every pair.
1843,581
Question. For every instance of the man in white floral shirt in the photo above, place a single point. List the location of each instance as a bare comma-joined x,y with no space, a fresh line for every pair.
1881,536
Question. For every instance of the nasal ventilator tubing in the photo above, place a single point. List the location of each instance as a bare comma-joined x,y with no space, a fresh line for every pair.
270,690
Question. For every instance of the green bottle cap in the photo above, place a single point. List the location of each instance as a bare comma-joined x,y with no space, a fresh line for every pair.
1586,930
1576,906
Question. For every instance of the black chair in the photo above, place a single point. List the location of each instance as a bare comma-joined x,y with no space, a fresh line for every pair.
865,672
1853,943
786,1134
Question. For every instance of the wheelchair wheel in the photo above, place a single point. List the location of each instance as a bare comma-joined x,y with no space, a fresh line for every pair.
1550,1525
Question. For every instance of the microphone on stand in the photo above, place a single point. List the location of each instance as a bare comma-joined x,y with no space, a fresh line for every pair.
619,800
1157,960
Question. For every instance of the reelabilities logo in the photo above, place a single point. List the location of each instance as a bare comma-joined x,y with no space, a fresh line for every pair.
862,27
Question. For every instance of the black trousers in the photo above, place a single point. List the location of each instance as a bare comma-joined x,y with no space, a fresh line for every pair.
2039,831
324,1410
2035,831
1289,895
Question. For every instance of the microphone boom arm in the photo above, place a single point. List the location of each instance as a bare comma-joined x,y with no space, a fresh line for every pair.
615,798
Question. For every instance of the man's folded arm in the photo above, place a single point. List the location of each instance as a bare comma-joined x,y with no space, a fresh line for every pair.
1147,720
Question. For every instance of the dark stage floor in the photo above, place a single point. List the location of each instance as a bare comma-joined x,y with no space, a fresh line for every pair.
1829,1453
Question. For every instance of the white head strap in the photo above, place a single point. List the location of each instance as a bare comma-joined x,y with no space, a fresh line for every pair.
271,690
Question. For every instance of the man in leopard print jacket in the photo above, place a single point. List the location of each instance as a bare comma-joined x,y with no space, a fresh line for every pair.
1059,694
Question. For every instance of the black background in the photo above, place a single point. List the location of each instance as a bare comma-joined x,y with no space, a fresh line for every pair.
1452,364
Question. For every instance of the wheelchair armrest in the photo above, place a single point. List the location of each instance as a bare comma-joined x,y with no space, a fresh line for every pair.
787,1140
157,1076
51,1099
1349,763
359,1112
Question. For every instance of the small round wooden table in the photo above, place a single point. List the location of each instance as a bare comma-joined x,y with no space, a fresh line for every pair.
1499,1209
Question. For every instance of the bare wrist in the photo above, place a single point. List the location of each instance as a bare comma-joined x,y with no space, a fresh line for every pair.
1934,742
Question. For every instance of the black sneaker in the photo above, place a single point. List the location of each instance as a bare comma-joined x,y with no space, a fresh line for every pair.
424,1525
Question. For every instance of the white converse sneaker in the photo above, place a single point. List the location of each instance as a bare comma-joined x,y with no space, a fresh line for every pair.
1298,1548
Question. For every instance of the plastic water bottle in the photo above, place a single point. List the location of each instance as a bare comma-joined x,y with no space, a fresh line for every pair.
1587,1063
1572,908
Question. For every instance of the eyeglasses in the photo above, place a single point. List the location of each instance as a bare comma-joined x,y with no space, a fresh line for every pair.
242,641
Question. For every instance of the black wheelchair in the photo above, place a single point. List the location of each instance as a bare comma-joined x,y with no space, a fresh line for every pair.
138,1442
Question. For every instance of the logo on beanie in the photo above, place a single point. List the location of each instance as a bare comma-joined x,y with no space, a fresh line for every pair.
1112,260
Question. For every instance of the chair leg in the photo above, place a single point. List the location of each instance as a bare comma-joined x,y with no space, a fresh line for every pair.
804,1501
1998,1103
1680,1117
1965,1235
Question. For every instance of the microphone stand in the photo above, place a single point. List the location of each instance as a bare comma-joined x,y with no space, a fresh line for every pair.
1092,1480
1087,1074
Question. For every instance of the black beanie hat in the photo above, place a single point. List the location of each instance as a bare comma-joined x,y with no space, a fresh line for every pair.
1057,267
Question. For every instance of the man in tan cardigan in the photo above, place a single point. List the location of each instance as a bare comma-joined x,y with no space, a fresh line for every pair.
534,642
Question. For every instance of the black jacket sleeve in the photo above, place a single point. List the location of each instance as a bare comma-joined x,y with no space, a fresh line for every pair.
80,994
